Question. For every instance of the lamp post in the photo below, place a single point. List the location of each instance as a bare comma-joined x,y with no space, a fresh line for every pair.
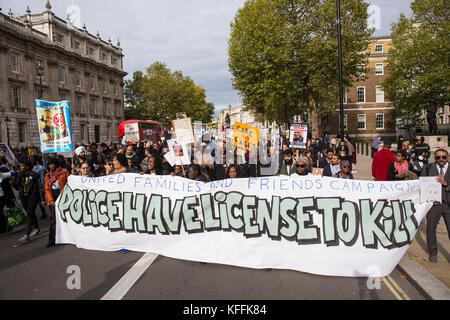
39,73
342,145
7,129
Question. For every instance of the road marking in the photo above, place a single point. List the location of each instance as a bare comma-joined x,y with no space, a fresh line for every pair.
398,288
129,279
392,289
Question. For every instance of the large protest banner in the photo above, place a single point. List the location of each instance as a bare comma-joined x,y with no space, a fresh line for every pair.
245,136
318,225
55,133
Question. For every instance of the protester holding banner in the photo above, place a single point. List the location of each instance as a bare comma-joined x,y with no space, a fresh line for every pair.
233,172
345,172
400,168
440,170
154,166
194,173
288,166
55,180
333,167
31,192
118,165
301,167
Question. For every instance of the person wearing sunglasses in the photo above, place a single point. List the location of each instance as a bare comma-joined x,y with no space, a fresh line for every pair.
346,170
301,167
440,170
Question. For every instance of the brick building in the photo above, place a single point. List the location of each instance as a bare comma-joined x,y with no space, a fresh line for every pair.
77,66
366,110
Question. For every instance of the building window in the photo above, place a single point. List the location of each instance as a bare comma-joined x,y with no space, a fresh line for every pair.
59,38
108,133
379,93
83,132
105,108
62,76
90,51
361,70
78,78
113,61
92,81
345,122
93,106
62,96
22,126
17,97
15,62
116,89
380,121
361,94
116,109
379,69
79,105
76,45
361,121
379,48
102,56
97,133
105,86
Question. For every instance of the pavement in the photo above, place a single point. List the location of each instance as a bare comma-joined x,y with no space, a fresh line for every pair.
433,279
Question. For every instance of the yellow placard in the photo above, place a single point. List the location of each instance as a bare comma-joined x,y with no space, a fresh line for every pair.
245,137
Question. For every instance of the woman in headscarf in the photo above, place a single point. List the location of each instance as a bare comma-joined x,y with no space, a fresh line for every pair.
55,180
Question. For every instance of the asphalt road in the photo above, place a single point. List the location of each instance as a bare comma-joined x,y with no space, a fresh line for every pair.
32,271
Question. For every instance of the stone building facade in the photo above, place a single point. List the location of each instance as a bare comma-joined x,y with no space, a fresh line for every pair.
366,109
76,66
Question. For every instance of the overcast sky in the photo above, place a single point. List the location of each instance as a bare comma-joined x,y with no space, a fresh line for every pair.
187,35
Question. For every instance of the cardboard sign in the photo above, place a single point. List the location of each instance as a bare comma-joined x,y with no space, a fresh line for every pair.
183,130
298,136
179,152
54,125
245,137
132,132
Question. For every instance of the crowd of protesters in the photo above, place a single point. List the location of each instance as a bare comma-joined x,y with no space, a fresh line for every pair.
40,179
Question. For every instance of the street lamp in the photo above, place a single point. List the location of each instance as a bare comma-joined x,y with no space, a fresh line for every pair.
342,145
39,73
7,129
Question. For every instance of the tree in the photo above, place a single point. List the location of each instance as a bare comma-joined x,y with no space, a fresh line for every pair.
418,63
160,93
283,55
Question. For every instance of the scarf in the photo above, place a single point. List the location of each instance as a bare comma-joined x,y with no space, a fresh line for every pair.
400,167
53,176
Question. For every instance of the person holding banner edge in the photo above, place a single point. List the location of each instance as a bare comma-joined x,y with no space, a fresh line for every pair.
439,169
55,181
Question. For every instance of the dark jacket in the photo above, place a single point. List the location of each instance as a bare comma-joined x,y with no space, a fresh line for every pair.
393,172
29,186
283,169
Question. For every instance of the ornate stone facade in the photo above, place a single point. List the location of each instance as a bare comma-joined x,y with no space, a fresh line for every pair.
77,66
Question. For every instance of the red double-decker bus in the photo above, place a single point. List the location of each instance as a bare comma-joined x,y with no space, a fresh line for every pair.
148,130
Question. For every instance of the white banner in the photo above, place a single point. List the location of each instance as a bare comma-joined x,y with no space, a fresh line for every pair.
318,225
